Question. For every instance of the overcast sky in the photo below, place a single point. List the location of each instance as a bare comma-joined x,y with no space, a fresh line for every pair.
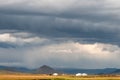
60,33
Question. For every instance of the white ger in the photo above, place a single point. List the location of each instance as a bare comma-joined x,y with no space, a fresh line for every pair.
81,74
55,74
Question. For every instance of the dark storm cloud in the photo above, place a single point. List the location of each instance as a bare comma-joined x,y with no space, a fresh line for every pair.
47,26
68,31
93,11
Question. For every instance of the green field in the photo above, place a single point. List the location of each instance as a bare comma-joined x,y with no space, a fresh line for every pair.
47,77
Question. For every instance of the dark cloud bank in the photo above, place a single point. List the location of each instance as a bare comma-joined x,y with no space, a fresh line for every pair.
82,29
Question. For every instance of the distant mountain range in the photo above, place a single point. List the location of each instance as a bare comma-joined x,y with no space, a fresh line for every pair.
42,70
49,70
91,71
15,69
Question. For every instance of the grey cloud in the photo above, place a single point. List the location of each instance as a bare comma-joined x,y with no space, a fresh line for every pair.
72,8
20,39
93,10
46,26
56,22
68,54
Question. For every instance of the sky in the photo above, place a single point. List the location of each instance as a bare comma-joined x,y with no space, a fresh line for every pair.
60,33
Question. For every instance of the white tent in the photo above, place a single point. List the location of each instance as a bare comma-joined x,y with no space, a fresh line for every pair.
81,74
84,74
78,74
55,74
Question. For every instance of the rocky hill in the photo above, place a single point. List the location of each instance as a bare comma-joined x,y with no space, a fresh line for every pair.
46,70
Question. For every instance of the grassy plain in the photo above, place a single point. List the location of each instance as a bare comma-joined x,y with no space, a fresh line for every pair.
47,77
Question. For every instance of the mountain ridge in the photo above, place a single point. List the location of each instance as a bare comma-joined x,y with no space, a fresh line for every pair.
49,70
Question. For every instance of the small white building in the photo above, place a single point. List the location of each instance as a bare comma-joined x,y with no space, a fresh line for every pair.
55,74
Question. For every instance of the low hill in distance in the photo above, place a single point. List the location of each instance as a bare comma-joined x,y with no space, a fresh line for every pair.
15,69
46,70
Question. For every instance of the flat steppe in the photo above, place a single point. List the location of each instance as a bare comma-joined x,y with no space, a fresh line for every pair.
62,77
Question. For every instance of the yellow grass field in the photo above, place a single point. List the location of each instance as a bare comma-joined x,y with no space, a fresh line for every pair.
47,77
